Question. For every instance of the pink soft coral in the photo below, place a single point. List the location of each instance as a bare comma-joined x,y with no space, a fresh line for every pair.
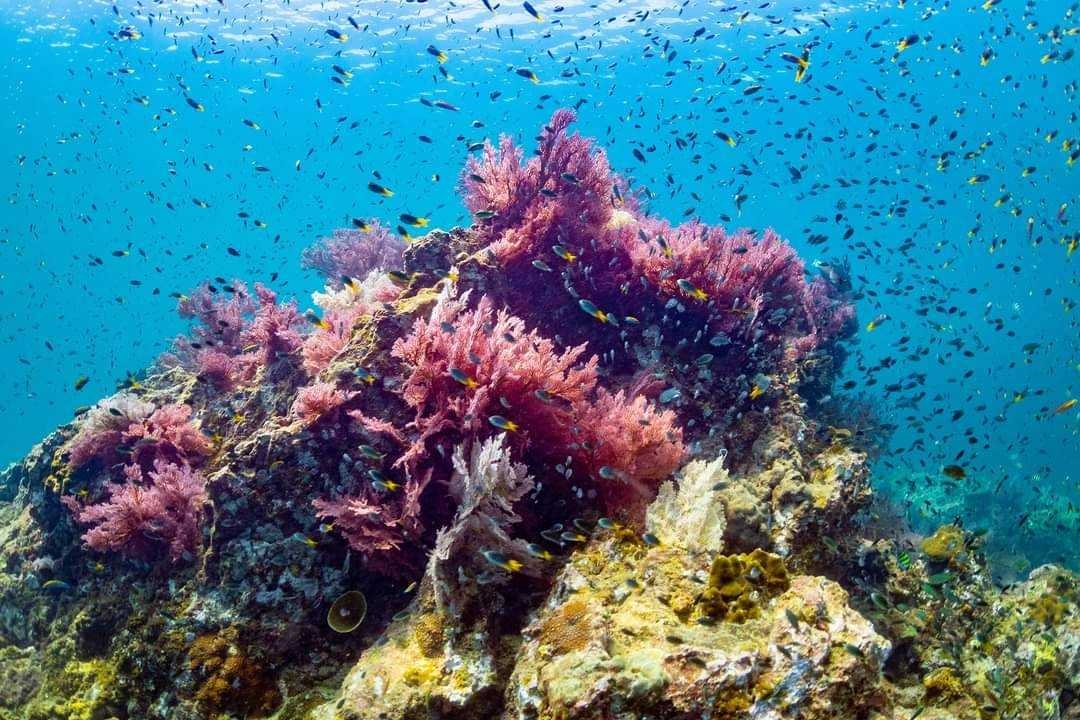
275,329
129,427
342,309
102,429
141,516
235,334
325,343
563,194
355,253
168,434
316,401
221,315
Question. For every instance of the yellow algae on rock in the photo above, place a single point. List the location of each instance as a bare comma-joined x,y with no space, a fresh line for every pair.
943,682
945,544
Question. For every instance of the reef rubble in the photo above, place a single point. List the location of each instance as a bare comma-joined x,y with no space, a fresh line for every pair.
567,463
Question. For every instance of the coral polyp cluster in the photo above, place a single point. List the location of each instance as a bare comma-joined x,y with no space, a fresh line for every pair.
563,463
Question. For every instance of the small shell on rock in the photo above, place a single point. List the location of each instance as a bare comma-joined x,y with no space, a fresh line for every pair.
347,612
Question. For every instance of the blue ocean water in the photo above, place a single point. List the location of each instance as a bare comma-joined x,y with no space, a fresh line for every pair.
930,145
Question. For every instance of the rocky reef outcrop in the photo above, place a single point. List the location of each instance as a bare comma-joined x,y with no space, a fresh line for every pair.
565,463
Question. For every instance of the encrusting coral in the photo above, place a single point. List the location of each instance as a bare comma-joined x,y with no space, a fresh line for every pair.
568,457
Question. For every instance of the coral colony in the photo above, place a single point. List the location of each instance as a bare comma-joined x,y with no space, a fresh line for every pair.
687,311
561,464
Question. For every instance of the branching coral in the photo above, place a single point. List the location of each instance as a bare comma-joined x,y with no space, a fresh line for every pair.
125,427
161,509
564,191
235,335
487,486
355,253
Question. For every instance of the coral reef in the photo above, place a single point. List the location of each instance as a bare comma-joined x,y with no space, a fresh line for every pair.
576,461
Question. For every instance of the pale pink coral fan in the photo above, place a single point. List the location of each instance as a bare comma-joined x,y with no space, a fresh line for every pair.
142,515
354,253
342,308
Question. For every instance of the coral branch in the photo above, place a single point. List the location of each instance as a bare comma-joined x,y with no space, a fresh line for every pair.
140,517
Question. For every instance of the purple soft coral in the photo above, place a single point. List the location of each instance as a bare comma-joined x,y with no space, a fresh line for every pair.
236,334
354,253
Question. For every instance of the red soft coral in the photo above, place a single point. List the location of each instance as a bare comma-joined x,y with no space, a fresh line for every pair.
140,518
384,528
630,448
751,291
465,366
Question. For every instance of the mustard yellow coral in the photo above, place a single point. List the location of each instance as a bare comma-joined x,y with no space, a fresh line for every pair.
738,584
230,680
567,629
1048,610
429,633
943,683
945,544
